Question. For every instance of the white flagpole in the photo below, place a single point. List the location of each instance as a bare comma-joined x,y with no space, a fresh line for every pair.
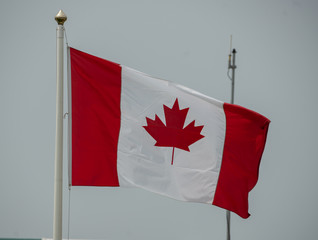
58,177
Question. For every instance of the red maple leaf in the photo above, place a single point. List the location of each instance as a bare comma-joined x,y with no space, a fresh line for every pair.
173,134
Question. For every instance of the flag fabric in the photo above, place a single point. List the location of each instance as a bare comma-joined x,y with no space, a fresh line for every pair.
133,130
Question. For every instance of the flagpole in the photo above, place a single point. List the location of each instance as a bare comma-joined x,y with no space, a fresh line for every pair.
58,176
232,78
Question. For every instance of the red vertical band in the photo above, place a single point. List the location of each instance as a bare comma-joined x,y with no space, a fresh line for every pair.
244,144
96,89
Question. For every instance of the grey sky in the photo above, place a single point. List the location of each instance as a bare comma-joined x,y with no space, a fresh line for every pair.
182,41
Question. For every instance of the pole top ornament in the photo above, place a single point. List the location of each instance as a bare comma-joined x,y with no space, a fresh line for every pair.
60,18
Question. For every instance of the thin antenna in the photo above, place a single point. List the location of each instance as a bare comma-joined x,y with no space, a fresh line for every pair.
231,65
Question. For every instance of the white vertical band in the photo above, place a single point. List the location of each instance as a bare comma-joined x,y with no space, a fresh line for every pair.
69,100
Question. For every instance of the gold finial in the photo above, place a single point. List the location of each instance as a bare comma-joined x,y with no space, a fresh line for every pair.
60,18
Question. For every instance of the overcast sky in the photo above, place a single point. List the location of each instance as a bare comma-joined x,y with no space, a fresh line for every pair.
186,42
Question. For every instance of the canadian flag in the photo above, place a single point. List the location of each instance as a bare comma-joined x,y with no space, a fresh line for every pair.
133,130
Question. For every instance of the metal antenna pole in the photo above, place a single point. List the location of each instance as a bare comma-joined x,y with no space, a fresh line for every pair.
233,67
58,176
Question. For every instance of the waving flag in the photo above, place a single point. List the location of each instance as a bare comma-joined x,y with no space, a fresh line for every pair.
132,130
